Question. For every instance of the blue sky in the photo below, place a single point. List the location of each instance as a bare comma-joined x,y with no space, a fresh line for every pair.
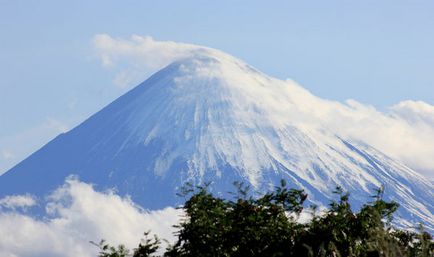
377,52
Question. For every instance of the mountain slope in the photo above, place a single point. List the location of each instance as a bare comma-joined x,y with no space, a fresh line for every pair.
211,117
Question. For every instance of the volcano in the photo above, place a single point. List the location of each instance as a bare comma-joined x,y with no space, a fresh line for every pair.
210,117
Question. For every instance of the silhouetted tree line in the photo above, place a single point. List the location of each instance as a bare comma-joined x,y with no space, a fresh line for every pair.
268,227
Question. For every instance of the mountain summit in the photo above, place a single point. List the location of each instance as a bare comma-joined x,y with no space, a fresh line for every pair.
212,118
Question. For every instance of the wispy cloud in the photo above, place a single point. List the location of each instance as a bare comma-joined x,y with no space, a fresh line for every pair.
415,112
77,214
134,58
402,133
17,202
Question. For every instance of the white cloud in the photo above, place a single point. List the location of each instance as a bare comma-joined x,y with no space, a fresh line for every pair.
415,112
145,50
133,59
406,134
17,201
77,214
396,135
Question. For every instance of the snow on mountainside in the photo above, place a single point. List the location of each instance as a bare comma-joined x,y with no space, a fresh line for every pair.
211,117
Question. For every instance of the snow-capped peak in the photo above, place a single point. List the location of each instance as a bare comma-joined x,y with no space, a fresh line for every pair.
210,117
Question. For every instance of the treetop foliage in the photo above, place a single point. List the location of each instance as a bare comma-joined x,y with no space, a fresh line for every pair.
266,226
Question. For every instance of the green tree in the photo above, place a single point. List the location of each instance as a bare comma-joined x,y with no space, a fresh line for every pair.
148,247
246,226
107,250
249,226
